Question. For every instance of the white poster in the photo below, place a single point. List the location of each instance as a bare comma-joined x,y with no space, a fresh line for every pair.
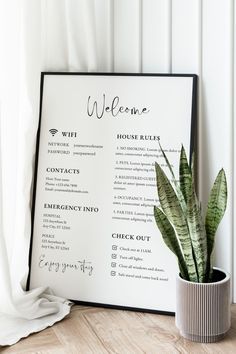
94,237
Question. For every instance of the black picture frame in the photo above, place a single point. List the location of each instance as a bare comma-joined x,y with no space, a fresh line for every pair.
192,144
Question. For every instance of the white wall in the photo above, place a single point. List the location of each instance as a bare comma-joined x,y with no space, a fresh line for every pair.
188,36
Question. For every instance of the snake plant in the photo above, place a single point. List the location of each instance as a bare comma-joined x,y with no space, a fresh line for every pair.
179,218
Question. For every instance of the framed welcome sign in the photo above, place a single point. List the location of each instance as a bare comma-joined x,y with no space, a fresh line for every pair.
94,238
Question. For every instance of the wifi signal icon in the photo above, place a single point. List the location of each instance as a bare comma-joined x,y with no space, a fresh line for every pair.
53,131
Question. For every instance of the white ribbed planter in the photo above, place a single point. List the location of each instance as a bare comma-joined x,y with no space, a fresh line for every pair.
203,309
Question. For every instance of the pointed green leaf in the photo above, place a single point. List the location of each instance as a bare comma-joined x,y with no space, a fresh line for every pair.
177,187
210,269
197,234
193,171
185,176
172,208
170,239
167,162
215,208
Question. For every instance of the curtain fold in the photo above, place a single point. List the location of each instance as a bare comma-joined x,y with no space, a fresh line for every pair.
55,35
39,45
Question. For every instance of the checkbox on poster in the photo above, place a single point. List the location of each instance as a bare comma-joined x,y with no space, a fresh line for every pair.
114,247
113,264
114,256
113,273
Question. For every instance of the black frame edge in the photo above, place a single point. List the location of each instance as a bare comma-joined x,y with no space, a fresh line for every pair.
34,182
123,308
194,122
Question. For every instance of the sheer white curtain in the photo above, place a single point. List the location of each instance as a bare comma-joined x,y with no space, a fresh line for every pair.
56,35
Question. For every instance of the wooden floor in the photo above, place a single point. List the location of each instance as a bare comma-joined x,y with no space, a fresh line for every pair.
97,330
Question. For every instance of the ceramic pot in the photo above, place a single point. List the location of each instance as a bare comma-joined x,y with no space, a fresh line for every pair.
203,309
